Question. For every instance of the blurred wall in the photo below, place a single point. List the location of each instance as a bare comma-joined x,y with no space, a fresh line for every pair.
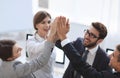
15,15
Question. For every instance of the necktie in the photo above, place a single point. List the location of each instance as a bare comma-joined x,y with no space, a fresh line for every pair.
84,56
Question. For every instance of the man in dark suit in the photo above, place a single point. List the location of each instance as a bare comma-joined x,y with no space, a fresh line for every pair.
96,56
87,70
77,61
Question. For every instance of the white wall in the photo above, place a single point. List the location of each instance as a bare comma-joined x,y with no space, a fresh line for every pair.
81,11
87,11
15,15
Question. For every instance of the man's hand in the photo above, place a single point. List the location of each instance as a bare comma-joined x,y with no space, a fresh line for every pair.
62,27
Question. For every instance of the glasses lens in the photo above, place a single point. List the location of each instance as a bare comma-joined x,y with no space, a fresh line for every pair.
91,35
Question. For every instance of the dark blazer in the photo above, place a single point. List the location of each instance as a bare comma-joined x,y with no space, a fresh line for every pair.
100,62
84,68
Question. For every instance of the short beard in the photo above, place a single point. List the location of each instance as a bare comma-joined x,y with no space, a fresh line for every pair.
91,45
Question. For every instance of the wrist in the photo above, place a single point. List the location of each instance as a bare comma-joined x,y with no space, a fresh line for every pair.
63,37
50,39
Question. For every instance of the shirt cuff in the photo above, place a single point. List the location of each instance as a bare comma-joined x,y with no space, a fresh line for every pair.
64,42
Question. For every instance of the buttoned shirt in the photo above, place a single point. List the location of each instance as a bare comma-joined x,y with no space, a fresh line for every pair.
91,55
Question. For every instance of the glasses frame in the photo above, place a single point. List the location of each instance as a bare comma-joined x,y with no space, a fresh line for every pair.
91,35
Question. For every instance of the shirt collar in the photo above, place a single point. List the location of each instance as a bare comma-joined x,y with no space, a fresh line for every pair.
38,37
93,50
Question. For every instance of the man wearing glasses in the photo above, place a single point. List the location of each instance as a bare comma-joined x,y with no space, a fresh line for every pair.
95,56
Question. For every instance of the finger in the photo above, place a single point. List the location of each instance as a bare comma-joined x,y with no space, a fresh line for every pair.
58,24
63,21
67,24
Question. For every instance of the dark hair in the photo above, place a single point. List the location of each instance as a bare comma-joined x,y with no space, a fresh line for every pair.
6,47
101,29
118,48
40,16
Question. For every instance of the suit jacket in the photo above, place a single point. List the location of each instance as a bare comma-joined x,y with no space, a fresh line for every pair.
84,68
100,62
13,69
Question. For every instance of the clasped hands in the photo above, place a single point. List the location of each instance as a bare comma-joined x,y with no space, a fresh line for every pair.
59,29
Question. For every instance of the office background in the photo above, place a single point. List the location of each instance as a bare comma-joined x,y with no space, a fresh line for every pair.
16,20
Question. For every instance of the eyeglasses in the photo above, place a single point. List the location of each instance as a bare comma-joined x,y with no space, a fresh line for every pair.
91,35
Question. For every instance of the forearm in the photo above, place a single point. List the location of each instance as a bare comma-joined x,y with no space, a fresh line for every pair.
33,48
46,52
35,64
79,65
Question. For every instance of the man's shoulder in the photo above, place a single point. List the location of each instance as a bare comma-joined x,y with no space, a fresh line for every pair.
78,40
101,53
78,44
101,50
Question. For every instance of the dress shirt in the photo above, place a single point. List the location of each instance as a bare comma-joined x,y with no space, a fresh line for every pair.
91,55
64,42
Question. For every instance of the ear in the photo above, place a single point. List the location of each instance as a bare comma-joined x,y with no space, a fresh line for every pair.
99,41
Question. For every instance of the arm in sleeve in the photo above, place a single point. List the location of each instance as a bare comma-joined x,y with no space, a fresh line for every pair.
58,44
38,63
79,65
34,47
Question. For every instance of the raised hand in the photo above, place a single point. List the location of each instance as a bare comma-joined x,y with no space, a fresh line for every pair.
62,27
52,36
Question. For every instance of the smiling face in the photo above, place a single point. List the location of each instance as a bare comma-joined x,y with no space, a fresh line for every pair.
94,35
41,21
91,38
43,27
